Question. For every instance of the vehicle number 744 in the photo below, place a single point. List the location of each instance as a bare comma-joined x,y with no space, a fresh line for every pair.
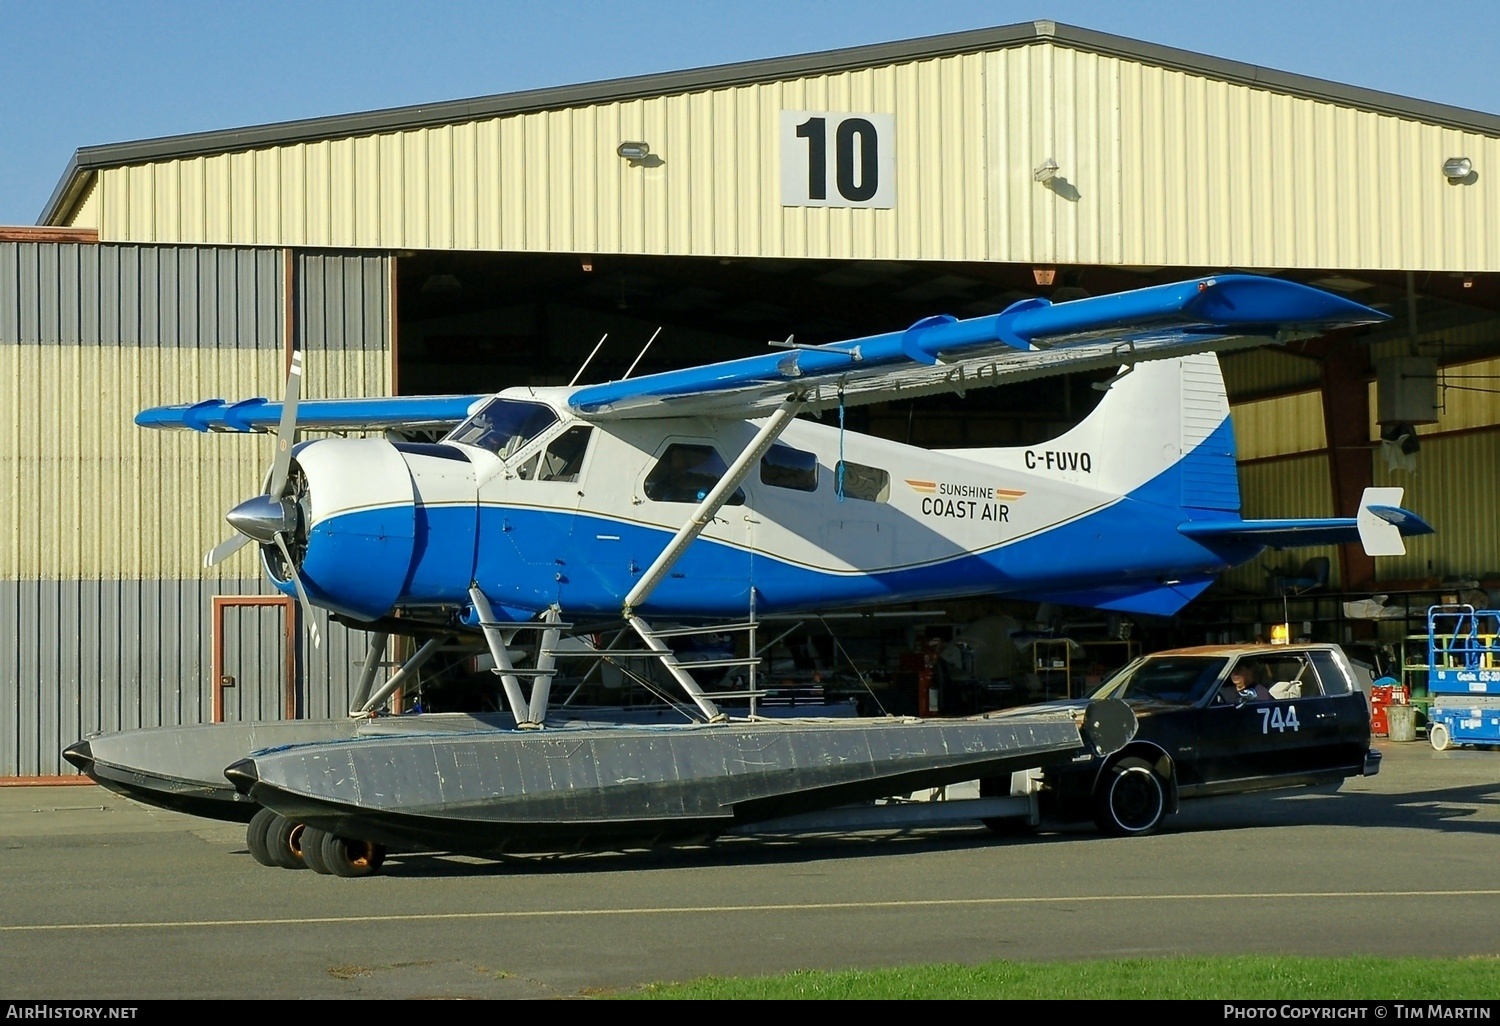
1278,719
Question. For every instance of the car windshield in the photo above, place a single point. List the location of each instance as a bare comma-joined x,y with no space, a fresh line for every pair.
504,425
1181,680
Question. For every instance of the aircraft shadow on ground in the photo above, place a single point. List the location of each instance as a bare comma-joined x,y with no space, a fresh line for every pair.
1443,809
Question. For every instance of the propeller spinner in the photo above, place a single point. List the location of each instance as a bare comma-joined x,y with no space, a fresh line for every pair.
268,519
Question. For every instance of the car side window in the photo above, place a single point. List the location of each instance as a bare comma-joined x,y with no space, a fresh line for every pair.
1332,676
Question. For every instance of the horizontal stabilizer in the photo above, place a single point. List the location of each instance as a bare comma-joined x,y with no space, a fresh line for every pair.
1378,527
416,411
1029,339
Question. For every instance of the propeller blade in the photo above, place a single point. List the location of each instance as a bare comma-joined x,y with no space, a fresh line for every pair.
225,549
307,606
286,429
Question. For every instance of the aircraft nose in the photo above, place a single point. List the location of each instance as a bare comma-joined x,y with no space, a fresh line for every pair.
263,518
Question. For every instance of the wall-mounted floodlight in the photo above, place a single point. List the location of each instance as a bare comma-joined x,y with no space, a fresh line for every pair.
1457,169
635,152
1046,171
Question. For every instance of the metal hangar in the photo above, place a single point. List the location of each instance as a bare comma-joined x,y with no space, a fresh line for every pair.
480,243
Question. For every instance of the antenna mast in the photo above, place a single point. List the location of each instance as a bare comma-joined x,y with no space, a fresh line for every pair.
586,359
642,352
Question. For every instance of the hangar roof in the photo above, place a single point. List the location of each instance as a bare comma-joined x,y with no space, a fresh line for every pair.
89,159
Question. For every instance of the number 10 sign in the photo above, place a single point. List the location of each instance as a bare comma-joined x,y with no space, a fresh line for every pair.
835,159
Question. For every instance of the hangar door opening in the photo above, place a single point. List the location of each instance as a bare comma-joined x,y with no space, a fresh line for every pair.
471,322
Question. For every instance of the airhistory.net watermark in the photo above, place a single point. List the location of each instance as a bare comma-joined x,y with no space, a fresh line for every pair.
67,1010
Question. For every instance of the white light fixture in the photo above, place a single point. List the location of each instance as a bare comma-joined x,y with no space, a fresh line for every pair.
635,152
1046,171
1457,169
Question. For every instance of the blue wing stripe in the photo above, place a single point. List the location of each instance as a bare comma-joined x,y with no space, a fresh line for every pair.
1163,317
263,415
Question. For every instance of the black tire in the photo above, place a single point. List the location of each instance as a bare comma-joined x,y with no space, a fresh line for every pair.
312,849
284,843
256,839
1130,799
346,857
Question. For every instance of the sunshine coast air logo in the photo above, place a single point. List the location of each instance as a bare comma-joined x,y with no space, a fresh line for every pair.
964,501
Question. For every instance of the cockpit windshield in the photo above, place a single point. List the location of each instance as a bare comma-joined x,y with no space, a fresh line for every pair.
503,426
1181,680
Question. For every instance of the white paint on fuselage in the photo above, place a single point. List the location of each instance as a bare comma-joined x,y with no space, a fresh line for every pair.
940,503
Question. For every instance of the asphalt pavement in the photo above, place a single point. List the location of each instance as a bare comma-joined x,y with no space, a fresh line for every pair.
103,898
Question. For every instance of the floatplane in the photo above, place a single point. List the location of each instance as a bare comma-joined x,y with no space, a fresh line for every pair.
708,496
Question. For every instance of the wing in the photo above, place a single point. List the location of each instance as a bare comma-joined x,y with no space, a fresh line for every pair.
1030,339
422,411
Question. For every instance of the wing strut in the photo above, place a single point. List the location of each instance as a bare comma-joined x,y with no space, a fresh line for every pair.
701,517
373,660
398,678
668,660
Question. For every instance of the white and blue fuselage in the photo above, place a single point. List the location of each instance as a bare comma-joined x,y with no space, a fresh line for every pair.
573,514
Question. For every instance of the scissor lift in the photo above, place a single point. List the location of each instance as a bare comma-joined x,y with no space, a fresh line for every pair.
1463,676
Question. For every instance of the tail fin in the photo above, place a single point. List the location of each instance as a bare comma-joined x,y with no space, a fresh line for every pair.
1162,426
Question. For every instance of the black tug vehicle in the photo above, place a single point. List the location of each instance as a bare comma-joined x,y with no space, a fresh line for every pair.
1307,724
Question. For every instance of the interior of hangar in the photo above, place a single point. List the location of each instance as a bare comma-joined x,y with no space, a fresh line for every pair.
690,216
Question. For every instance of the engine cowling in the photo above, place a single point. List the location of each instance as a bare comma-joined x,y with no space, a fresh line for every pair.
355,546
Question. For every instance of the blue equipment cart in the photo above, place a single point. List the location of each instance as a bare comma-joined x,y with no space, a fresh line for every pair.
1463,676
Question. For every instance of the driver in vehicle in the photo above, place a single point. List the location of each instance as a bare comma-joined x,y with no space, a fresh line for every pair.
1248,687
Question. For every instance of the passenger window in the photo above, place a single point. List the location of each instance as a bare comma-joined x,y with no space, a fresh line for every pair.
1293,677
857,481
785,467
564,457
687,473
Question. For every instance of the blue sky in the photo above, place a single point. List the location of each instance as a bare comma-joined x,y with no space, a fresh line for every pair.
86,72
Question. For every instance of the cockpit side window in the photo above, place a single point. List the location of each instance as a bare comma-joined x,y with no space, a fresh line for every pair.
564,456
503,426
687,473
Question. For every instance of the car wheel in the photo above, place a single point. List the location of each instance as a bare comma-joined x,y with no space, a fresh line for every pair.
1437,734
1130,799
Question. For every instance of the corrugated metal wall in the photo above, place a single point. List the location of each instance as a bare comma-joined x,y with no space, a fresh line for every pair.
1456,484
551,181
343,323
1293,487
1217,174
107,523
85,655
1157,167
1279,426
